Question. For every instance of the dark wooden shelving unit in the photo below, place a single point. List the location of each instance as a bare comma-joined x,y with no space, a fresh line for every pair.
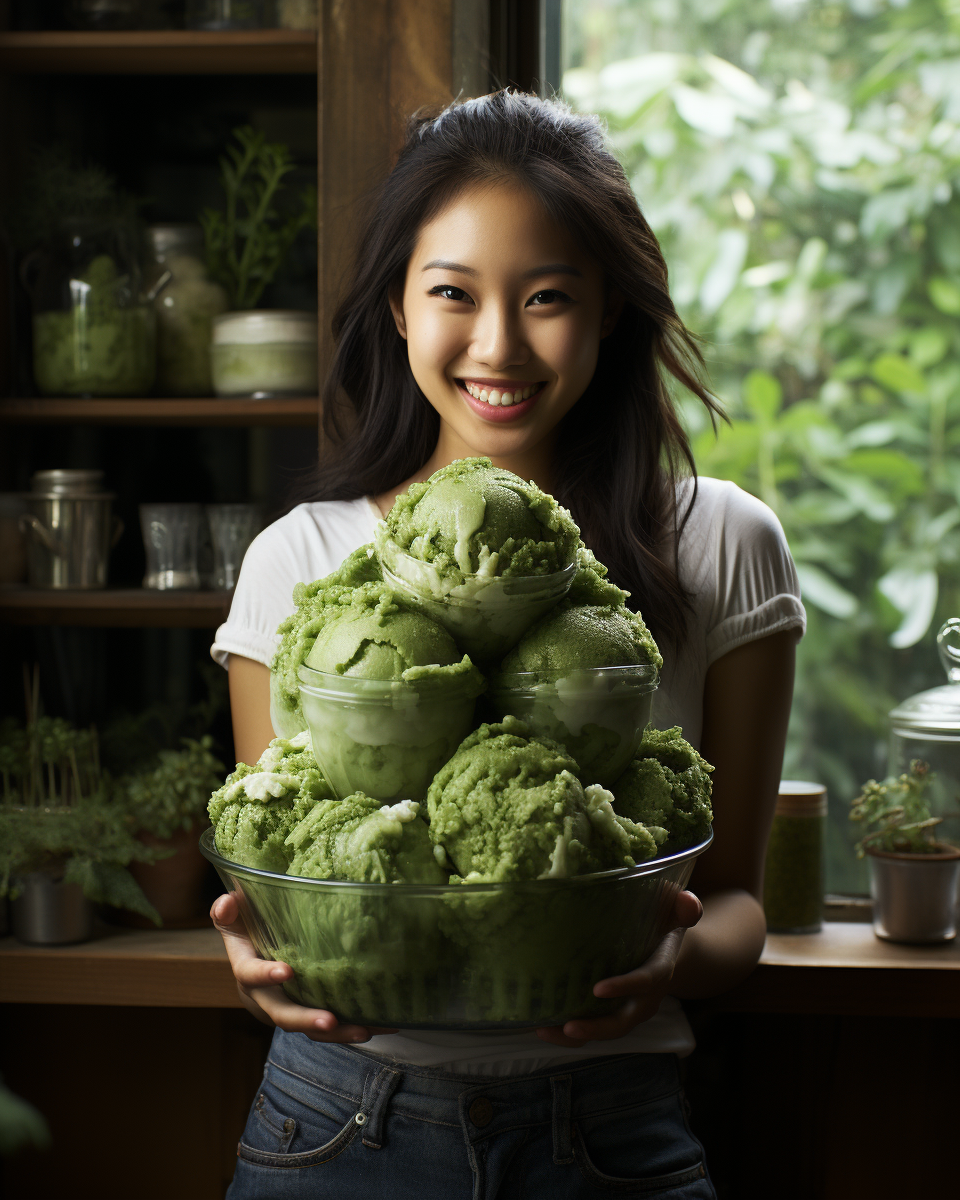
114,608
207,412
161,52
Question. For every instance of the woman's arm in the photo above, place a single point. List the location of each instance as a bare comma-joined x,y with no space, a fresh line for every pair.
249,707
746,707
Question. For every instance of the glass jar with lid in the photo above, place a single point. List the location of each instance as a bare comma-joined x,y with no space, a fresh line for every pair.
264,353
927,727
93,334
185,307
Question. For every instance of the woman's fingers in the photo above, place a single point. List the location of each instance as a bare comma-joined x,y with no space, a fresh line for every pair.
687,910
259,979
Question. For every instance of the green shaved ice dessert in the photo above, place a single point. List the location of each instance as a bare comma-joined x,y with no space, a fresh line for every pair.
372,637
386,695
103,345
590,584
507,806
299,631
480,551
353,954
257,807
584,676
667,785
579,636
472,518
361,839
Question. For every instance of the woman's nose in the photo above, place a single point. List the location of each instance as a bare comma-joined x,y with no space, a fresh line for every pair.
497,340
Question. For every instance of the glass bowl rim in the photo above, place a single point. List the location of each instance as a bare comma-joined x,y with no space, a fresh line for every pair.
646,674
383,537
653,866
359,690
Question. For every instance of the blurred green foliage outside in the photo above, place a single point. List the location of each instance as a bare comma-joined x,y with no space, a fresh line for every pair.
800,163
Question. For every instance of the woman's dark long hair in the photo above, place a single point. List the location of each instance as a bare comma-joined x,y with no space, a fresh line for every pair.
621,447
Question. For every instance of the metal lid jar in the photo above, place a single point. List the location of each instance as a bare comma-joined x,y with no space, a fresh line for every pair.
927,726
69,529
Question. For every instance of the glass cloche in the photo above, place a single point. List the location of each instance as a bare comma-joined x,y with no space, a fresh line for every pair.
927,726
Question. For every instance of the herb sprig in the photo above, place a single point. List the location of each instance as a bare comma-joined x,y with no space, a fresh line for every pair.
247,243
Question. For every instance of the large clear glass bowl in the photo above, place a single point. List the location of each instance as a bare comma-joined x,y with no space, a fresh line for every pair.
475,956
387,738
597,714
486,614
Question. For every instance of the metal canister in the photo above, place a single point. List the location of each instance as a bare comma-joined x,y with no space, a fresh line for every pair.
69,529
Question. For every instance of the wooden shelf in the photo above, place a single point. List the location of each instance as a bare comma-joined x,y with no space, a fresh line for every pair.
302,411
161,52
844,970
141,968
114,607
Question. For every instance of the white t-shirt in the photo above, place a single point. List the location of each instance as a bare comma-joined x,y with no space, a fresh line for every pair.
735,565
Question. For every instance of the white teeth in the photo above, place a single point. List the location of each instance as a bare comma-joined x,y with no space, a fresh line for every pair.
496,398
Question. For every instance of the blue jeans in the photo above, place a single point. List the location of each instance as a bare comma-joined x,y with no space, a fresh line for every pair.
331,1122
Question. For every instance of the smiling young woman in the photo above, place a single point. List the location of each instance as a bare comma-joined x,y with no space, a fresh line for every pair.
510,300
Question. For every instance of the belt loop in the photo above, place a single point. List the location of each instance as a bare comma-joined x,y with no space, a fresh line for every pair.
377,1090
562,1139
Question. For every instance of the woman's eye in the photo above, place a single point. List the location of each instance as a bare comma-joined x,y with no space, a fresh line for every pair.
449,292
548,296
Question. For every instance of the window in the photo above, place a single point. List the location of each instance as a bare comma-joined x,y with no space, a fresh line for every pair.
800,163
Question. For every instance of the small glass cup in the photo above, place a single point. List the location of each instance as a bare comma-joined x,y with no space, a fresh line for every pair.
171,533
232,528
386,738
486,614
597,714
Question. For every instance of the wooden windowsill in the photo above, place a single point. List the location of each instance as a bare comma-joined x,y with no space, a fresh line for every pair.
844,970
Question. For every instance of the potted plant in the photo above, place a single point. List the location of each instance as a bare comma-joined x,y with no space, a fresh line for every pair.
65,842
914,878
166,803
258,352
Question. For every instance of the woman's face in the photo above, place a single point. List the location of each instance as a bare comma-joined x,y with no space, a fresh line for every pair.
503,314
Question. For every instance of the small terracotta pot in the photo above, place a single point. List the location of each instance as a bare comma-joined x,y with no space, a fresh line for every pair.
915,895
172,885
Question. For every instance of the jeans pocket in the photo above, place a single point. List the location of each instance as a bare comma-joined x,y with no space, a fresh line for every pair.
277,1120
644,1152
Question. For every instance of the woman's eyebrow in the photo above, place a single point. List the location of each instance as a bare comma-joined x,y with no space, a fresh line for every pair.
444,264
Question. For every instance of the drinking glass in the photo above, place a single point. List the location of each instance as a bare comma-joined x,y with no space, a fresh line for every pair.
170,536
232,528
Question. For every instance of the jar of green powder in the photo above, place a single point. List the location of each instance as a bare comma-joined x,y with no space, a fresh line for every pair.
793,876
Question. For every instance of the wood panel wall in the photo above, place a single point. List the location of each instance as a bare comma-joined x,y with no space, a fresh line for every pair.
379,61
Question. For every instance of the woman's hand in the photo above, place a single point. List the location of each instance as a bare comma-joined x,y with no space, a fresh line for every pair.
644,988
259,984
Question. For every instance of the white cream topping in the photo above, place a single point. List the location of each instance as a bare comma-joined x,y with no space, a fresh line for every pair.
559,858
601,814
263,785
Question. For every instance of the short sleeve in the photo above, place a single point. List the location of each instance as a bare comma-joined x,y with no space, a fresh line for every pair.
743,576
309,542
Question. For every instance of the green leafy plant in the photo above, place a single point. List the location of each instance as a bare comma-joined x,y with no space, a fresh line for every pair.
800,164
59,814
899,812
173,794
249,240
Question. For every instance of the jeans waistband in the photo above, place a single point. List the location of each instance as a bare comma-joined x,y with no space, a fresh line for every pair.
482,1105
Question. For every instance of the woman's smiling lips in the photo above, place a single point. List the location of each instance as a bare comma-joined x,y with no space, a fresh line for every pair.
500,399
